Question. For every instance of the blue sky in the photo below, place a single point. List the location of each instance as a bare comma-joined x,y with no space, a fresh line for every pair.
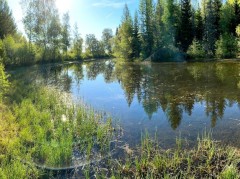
92,16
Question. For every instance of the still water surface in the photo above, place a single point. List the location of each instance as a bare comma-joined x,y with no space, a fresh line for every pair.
169,99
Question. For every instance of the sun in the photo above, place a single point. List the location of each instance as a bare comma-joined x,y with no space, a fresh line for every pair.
63,5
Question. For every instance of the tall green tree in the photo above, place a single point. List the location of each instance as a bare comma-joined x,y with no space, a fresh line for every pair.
170,21
94,47
186,25
210,29
54,36
66,32
7,24
38,15
146,11
77,43
136,43
107,36
29,19
159,26
124,38
198,29
217,4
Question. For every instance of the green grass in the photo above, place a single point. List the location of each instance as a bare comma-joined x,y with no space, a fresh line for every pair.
44,129
207,160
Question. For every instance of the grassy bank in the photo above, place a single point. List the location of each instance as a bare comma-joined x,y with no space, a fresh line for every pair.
45,129
208,159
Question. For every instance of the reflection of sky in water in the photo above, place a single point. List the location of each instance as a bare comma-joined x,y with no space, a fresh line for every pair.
190,97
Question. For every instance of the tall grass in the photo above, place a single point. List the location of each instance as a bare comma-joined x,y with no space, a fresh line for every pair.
207,160
45,129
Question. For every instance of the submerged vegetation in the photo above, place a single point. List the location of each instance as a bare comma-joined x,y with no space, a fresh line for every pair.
207,160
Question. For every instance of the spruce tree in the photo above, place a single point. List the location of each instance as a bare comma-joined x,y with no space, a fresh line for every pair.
136,43
186,26
6,20
124,38
198,31
169,23
147,26
217,4
158,31
210,29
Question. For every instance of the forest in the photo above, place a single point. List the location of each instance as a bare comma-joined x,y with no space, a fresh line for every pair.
48,131
159,30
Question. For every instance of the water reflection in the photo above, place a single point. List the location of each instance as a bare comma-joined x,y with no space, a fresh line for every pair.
176,89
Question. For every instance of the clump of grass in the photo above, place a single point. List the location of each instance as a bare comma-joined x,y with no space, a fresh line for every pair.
51,126
14,163
208,160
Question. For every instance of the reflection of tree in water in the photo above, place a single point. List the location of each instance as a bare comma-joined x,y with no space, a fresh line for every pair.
174,88
94,69
77,72
129,75
109,72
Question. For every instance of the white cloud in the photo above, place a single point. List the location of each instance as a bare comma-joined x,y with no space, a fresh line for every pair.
112,3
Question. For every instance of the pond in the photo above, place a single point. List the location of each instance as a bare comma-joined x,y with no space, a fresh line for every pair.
168,100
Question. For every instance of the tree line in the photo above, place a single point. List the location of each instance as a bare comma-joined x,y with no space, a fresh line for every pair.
208,30
48,37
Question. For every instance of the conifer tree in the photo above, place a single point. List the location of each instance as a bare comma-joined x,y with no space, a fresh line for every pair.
159,28
147,26
136,43
7,24
124,38
210,29
186,26
198,25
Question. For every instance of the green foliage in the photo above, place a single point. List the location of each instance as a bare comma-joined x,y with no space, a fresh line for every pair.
158,20
227,46
77,44
238,31
196,50
170,19
107,36
150,161
210,27
66,33
4,84
198,25
15,50
124,38
146,11
8,26
94,48
230,172
186,26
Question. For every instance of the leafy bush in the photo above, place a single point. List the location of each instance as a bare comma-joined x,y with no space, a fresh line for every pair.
4,84
238,34
196,50
15,51
226,46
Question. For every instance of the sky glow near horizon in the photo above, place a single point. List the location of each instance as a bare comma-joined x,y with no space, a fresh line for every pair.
92,16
